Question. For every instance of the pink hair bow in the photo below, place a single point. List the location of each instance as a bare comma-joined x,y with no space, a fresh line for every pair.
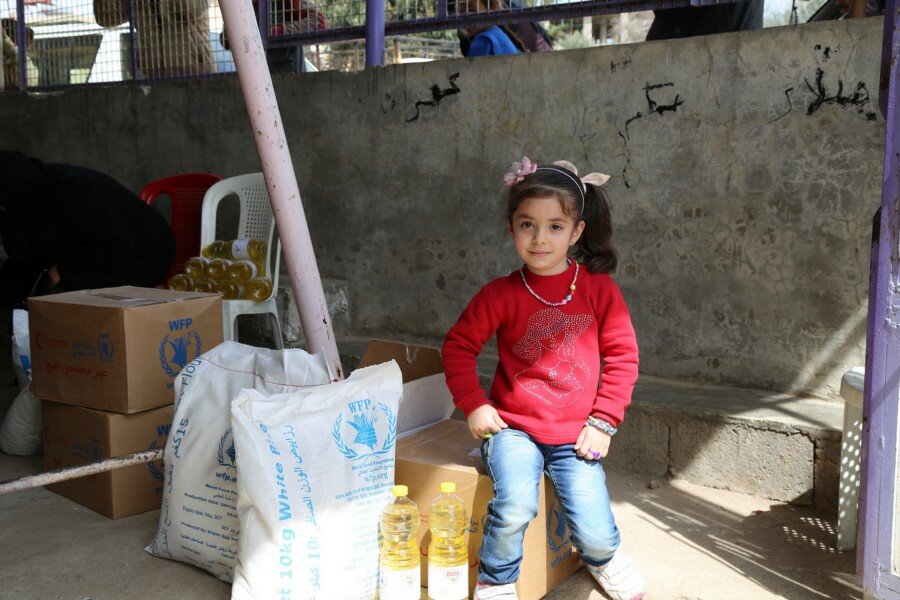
519,171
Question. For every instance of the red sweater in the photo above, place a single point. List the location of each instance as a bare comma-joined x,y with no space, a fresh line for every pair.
549,378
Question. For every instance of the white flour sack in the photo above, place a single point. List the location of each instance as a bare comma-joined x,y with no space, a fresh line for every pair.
198,521
316,468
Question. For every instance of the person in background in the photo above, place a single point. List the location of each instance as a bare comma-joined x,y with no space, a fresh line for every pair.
491,40
10,75
288,17
69,228
689,21
11,57
531,36
172,35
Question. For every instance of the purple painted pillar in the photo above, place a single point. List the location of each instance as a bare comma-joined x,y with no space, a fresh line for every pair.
374,33
882,380
21,44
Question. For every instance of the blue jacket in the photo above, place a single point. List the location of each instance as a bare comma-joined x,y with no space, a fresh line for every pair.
492,42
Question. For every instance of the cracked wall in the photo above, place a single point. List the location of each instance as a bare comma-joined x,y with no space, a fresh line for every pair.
746,169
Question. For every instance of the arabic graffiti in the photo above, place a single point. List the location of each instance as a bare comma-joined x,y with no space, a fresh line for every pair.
858,99
437,95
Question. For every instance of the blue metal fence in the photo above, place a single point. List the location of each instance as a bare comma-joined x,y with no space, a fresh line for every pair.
59,43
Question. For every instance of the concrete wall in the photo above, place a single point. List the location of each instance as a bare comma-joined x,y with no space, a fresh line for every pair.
746,169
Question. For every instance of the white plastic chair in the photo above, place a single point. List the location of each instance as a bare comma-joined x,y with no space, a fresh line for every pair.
256,222
851,446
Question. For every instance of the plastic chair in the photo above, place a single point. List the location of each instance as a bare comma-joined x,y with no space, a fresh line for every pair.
256,222
186,192
851,451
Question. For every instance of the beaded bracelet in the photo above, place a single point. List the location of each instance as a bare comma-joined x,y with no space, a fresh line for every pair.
601,425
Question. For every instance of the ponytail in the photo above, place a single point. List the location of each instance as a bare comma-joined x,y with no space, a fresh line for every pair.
594,248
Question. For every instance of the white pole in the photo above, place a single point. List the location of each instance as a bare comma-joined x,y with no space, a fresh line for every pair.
41,479
271,143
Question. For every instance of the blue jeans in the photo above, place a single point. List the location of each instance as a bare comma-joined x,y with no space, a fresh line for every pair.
516,463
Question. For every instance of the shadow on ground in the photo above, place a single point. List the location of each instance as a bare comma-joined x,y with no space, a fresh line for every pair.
693,542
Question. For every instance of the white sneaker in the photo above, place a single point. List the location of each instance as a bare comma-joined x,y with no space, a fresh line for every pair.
619,578
484,591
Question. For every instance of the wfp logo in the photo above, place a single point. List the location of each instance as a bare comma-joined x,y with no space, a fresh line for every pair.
557,529
175,351
226,450
155,472
106,347
162,431
357,438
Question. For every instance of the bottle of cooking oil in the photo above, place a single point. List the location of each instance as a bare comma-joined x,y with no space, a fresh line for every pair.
181,283
448,552
228,289
203,285
214,250
195,267
258,289
243,249
217,269
242,271
399,577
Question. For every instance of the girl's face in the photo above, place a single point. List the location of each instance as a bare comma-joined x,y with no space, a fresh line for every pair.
543,233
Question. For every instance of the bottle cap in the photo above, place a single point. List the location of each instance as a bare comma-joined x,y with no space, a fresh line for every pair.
400,490
448,487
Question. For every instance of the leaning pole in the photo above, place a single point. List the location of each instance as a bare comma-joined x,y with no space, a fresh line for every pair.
275,157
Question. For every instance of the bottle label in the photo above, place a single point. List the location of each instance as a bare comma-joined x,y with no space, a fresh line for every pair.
448,583
405,584
240,249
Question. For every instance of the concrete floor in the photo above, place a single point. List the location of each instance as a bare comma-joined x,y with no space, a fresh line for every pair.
692,543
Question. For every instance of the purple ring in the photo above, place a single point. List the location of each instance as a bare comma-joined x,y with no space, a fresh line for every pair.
595,454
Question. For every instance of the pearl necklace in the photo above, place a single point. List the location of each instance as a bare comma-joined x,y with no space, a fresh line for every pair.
565,300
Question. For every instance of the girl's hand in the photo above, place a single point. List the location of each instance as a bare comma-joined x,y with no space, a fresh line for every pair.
485,419
592,444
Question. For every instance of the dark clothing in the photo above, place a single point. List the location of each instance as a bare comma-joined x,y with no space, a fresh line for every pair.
96,231
689,21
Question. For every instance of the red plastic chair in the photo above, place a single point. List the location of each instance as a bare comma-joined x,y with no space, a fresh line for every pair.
186,192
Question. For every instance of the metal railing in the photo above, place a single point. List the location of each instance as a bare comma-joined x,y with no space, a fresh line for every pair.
60,43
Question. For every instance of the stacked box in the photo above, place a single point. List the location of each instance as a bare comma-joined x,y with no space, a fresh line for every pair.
447,452
104,364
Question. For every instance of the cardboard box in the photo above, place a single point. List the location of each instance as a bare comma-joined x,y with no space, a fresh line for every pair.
447,452
118,349
426,399
75,436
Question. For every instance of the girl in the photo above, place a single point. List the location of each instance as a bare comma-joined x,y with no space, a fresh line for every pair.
568,363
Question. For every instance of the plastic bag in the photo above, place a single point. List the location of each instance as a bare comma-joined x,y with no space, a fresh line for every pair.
20,433
198,521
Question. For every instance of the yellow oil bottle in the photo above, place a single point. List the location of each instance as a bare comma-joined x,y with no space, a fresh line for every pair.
448,552
399,577
181,283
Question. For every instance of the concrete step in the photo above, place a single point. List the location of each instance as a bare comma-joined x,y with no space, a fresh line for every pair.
761,443
766,444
